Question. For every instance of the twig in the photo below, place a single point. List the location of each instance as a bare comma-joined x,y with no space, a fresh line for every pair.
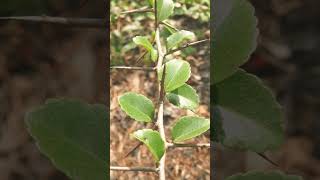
141,10
134,68
79,22
169,25
187,45
268,159
200,145
144,169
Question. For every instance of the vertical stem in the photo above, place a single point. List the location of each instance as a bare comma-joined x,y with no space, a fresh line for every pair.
162,175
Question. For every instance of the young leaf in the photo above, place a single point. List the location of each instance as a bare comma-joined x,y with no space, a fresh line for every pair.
178,37
251,117
189,127
73,135
232,41
143,41
164,9
184,97
137,106
255,175
152,140
177,73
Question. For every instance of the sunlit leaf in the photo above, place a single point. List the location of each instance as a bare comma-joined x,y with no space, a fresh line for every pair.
178,37
189,127
152,140
177,73
184,97
137,106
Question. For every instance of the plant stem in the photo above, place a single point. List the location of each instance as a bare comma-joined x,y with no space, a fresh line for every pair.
162,175
187,45
141,10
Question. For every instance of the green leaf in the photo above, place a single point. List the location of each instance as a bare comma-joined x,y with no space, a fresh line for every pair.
251,116
164,9
152,140
137,106
233,38
178,37
177,73
189,127
184,97
256,175
73,135
143,41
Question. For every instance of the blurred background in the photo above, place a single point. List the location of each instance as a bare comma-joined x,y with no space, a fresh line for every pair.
287,59
40,61
181,163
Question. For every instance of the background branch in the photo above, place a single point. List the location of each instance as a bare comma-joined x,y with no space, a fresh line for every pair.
78,22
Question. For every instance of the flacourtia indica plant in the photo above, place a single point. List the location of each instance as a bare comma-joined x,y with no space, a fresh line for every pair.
245,115
173,75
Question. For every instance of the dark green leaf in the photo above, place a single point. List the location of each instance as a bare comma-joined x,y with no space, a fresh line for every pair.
233,38
184,97
137,106
152,140
255,175
73,135
189,127
251,116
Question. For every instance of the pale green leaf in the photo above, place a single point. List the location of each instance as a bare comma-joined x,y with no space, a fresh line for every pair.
143,41
233,38
178,37
251,117
184,97
152,140
256,175
137,106
164,9
177,73
73,135
189,127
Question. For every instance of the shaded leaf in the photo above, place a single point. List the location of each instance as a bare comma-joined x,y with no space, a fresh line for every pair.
178,37
73,135
233,38
137,106
256,175
177,73
189,127
152,140
184,97
251,117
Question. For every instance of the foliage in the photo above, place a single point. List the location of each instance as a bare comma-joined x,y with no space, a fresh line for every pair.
246,116
73,135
